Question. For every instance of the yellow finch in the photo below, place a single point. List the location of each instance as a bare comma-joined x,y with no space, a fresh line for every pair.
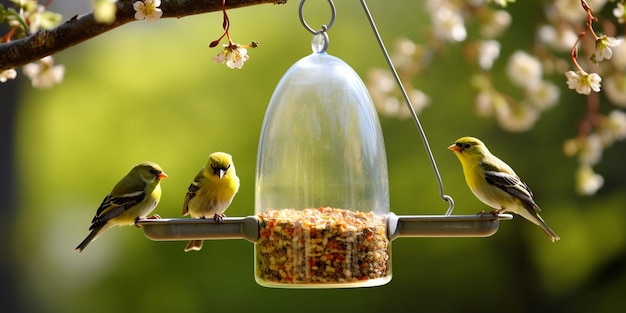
495,183
211,191
132,198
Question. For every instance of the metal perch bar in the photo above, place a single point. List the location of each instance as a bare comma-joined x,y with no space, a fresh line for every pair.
407,226
480,225
189,228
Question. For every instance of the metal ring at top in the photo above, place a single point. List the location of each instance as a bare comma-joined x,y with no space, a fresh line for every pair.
324,27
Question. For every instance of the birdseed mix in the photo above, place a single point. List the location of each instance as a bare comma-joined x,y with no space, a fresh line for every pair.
321,246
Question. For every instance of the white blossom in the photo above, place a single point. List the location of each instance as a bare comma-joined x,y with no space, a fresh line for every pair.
489,51
603,47
583,82
403,53
615,127
587,181
7,74
233,55
497,23
523,69
619,12
572,11
387,98
590,149
516,117
44,74
561,39
484,103
543,95
448,24
148,10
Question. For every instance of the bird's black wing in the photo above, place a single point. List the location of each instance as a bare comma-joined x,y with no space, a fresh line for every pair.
192,190
113,206
512,184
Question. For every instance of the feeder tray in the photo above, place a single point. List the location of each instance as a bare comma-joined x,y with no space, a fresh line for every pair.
322,258
398,226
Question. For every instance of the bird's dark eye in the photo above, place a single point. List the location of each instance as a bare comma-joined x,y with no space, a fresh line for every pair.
466,146
215,169
154,172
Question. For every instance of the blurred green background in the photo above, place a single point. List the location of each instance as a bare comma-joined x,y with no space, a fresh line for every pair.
151,92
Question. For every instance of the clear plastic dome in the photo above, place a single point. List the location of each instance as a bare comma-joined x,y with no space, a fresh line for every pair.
322,192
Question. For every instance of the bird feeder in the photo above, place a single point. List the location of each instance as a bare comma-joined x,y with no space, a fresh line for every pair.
322,217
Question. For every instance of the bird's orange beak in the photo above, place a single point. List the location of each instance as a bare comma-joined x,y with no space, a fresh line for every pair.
454,148
162,175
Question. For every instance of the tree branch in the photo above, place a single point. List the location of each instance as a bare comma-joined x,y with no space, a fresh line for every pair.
84,27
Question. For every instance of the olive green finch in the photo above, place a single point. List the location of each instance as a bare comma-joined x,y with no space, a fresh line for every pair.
133,197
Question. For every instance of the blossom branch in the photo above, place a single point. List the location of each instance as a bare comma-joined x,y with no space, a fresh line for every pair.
80,28
588,28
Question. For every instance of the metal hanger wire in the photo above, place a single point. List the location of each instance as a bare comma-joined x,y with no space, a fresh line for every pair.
433,164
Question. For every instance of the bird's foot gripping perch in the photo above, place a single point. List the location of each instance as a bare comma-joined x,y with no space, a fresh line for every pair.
219,217
153,217
494,213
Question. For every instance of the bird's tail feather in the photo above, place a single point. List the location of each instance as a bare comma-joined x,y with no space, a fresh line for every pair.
531,215
194,245
91,237
546,229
